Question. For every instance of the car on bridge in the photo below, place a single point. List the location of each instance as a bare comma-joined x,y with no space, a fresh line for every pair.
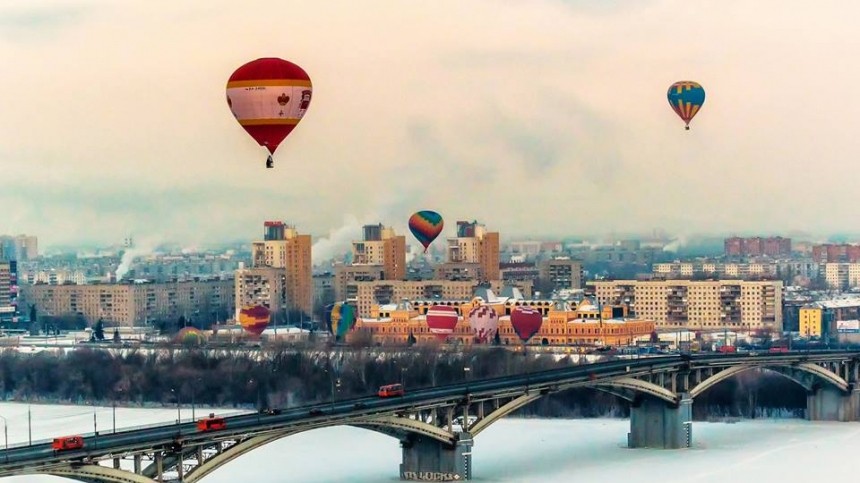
211,423
66,443
270,411
391,390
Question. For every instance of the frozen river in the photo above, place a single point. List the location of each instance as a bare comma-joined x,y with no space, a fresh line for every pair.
513,450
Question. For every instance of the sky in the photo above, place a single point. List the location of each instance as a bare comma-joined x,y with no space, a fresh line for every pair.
538,118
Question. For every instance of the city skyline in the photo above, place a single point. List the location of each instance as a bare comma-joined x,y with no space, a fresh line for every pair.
539,119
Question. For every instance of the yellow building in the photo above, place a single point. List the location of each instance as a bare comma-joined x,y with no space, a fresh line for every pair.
292,253
698,305
264,286
382,246
380,255
133,304
474,244
562,325
810,321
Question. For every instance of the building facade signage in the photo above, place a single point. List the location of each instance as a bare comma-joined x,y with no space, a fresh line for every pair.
428,476
848,326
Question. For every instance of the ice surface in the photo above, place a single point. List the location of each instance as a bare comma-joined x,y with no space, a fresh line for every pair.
512,450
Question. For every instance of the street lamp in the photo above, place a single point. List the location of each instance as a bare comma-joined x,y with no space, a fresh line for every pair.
193,397
6,436
466,371
178,405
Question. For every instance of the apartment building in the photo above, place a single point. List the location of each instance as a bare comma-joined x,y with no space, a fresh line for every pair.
698,305
134,304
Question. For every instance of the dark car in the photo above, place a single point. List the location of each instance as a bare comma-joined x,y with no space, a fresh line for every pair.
270,411
315,412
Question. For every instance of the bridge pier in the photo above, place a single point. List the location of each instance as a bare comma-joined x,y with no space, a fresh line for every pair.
426,459
831,404
658,424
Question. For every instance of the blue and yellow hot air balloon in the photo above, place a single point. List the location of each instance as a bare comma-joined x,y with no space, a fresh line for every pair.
343,318
686,99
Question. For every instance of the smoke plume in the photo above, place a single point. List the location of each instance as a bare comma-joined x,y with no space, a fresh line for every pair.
338,241
676,244
145,246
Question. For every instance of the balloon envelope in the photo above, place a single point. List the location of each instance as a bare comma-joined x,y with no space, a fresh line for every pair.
441,320
269,97
343,318
426,225
254,319
686,99
484,322
189,336
526,322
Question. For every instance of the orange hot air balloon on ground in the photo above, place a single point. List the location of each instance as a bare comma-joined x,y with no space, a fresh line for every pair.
254,319
269,97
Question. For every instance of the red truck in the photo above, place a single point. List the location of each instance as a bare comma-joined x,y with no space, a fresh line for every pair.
65,443
391,390
211,424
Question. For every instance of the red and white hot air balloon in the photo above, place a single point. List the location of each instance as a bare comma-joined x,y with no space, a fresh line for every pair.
484,322
526,322
442,319
269,97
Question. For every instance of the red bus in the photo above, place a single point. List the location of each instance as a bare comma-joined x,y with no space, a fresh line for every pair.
66,443
391,390
211,423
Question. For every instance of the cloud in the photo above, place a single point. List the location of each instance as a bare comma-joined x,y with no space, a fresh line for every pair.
537,118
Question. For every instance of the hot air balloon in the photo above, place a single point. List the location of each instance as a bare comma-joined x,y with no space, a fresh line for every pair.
442,319
426,225
526,322
269,97
686,98
343,319
484,322
254,319
189,336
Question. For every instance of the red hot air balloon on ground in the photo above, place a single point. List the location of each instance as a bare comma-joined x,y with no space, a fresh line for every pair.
254,319
526,322
269,97
484,322
442,319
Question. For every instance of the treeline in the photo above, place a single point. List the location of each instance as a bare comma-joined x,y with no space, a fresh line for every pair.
284,377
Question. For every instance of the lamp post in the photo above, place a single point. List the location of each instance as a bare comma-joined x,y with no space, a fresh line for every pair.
95,429
467,371
178,405
29,426
193,398
6,436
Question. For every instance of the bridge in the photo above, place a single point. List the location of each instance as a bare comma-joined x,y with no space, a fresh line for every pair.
437,426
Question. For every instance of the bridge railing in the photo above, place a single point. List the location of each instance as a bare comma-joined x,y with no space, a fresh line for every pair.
108,431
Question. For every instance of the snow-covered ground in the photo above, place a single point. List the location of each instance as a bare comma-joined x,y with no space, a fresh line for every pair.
513,450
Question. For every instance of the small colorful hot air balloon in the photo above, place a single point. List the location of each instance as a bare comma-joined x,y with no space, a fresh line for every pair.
441,320
189,336
343,318
526,322
254,319
686,99
484,322
426,225
269,97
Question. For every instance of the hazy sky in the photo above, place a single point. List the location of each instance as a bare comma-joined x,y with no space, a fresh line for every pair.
534,117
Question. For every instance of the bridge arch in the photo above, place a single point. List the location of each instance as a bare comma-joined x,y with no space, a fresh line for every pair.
806,374
396,427
629,389
92,473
